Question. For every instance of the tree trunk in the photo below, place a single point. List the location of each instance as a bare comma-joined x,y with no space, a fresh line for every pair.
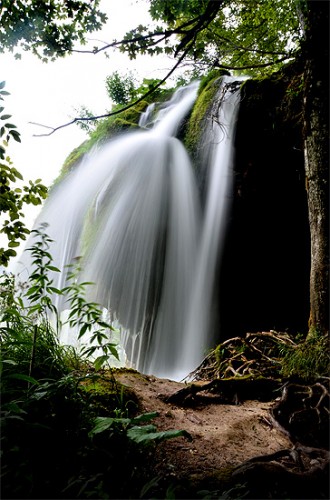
316,118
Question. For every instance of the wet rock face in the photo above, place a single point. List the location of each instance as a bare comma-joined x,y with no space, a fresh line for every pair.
264,276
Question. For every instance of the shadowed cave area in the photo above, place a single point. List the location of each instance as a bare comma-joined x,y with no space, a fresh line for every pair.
264,274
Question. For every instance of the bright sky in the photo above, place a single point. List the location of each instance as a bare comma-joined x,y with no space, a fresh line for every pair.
49,93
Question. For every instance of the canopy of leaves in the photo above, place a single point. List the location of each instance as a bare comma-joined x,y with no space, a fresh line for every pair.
47,28
234,34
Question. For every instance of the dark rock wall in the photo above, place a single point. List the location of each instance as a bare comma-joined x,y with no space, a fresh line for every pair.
264,276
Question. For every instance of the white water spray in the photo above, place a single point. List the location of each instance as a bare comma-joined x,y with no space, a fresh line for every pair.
132,211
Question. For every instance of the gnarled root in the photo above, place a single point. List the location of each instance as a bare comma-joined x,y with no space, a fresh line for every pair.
300,472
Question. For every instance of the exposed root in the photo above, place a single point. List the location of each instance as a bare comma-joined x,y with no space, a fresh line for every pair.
300,472
226,391
255,355
250,368
303,410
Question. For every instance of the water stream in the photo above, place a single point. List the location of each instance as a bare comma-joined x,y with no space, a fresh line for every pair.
132,211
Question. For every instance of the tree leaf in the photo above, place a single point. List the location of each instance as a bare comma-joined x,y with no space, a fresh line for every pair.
147,434
99,362
21,376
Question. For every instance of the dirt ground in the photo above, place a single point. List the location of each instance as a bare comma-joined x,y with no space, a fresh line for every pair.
223,435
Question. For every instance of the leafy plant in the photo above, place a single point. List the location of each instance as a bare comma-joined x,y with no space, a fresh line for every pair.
87,317
121,88
54,441
144,434
41,287
12,197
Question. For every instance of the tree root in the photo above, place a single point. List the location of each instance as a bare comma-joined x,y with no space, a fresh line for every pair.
227,391
255,355
250,368
303,411
300,472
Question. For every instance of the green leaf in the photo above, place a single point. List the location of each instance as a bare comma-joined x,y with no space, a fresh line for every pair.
32,290
52,289
99,362
9,362
103,424
147,434
16,135
84,329
106,325
113,351
20,376
145,417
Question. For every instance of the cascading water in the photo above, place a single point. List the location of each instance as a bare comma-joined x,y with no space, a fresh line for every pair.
218,154
132,212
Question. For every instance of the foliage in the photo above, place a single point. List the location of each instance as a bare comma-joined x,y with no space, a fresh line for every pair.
48,29
50,444
145,434
268,355
86,125
13,198
121,88
307,360
88,317
41,290
243,35
113,125
207,91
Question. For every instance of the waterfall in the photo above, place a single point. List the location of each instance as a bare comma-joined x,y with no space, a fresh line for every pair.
132,212
218,154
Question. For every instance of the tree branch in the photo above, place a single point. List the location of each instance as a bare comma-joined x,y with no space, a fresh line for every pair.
106,115
247,49
252,66
204,20
124,41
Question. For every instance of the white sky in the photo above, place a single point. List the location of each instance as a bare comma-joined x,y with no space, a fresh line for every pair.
47,93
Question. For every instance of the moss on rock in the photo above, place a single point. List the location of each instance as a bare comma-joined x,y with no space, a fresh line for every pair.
108,395
207,91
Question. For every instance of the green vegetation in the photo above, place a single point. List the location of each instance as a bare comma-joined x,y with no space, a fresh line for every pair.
122,89
307,360
105,129
248,35
47,29
268,356
207,90
68,429
13,197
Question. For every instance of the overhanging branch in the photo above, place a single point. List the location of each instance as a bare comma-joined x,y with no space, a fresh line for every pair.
252,66
107,115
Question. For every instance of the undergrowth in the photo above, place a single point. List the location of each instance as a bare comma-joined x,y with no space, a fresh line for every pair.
308,359
59,438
